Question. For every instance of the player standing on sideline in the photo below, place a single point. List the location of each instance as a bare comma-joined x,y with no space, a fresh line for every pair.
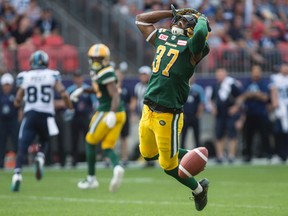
126,96
36,87
106,124
178,51
193,110
9,116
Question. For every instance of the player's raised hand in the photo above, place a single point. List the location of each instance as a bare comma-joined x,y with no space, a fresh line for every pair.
183,11
202,16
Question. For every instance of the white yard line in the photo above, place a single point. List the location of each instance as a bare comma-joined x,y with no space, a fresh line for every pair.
139,202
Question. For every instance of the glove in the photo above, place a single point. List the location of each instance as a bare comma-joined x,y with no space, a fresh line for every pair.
183,11
68,114
75,94
202,16
110,119
190,10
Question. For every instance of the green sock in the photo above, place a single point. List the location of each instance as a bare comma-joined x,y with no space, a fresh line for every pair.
189,182
182,152
91,158
110,153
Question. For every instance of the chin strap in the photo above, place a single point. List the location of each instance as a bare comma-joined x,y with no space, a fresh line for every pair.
177,31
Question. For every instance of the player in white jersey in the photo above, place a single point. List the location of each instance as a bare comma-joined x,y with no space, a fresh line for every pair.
36,89
279,98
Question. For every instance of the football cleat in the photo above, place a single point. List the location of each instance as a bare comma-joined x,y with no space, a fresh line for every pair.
118,173
88,183
16,181
201,198
39,163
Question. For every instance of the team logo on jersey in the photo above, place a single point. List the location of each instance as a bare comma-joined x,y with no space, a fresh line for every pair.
162,122
181,42
163,37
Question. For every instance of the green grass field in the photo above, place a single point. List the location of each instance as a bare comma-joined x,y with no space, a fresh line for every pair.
234,191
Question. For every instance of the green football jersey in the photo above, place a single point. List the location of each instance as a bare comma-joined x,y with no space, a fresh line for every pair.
101,78
169,82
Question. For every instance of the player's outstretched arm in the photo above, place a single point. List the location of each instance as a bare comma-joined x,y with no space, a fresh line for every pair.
110,118
198,42
145,22
64,94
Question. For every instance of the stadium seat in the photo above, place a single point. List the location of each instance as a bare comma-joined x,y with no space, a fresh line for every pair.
53,54
37,40
9,57
69,58
53,40
23,55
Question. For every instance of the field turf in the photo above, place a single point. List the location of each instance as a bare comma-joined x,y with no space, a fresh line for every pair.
240,190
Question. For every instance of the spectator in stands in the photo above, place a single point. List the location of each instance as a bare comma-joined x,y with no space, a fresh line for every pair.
193,110
9,14
47,22
267,45
20,5
9,124
226,111
4,31
83,107
255,97
33,11
219,26
236,29
22,33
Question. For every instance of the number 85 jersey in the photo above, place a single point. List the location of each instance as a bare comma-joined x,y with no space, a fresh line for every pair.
38,86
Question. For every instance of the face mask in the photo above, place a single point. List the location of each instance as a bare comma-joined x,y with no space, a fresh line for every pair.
177,31
94,65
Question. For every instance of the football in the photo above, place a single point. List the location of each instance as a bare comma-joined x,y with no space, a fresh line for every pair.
193,162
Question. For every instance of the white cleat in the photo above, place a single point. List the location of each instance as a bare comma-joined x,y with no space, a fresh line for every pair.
39,164
16,181
118,173
88,183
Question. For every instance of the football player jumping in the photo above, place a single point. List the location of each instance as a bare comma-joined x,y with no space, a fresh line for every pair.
107,122
36,88
178,51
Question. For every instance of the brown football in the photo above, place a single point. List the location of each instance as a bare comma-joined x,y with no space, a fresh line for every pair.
193,162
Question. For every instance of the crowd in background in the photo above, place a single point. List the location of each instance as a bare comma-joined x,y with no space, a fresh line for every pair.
26,27
244,32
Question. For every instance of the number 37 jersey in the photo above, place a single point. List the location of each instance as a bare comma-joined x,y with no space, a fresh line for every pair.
169,83
39,89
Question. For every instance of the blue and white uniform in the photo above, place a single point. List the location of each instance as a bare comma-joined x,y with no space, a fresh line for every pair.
38,85
280,123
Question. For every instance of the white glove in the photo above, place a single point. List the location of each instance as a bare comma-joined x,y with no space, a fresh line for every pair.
68,114
75,94
110,119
